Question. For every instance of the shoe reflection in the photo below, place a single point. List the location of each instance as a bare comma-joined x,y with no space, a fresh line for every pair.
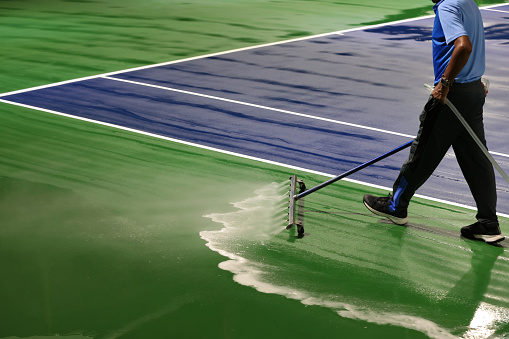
464,307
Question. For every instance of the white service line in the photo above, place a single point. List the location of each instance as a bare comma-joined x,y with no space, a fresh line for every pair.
275,110
496,10
296,168
262,107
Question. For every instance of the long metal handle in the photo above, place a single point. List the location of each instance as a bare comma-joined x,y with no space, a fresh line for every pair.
358,168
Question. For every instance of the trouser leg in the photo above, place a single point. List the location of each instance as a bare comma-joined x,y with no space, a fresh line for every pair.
428,149
439,129
480,177
475,166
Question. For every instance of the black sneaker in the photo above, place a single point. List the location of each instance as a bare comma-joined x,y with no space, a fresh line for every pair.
380,206
487,231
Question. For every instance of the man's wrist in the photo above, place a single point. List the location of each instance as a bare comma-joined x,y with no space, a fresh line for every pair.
446,82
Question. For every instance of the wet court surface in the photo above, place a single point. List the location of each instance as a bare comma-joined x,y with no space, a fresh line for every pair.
112,234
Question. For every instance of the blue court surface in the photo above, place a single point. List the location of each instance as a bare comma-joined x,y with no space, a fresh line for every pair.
326,103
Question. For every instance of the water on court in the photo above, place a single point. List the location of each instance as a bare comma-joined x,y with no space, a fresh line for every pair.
319,272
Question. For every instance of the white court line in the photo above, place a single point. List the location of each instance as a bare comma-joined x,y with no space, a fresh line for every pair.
217,54
107,75
496,10
263,107
223,53
270,162
275,110
490,7
500,154
341,32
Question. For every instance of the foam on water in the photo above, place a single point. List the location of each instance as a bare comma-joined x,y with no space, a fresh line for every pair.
259,219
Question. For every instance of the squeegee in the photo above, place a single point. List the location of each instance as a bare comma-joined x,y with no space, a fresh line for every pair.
295,211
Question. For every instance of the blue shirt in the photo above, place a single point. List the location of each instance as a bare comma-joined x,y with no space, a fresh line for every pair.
456,18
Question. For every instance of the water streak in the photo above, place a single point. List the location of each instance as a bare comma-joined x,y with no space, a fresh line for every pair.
250,229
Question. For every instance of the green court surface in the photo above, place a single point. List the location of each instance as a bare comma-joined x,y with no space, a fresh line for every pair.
110,234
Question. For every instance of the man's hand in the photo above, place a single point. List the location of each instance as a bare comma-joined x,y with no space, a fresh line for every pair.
440,92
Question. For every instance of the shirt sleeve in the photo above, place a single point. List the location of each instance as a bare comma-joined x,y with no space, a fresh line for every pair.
451,19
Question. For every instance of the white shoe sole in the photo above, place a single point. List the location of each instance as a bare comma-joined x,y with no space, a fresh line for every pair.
489,238
395,220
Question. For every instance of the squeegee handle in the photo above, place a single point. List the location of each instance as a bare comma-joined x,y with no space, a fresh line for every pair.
356,169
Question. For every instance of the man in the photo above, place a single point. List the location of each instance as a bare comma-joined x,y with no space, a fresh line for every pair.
459,63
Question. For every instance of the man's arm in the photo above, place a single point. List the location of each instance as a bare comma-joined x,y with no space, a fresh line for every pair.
459,58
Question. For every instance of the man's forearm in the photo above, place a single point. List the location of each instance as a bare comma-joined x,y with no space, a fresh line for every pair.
459,58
